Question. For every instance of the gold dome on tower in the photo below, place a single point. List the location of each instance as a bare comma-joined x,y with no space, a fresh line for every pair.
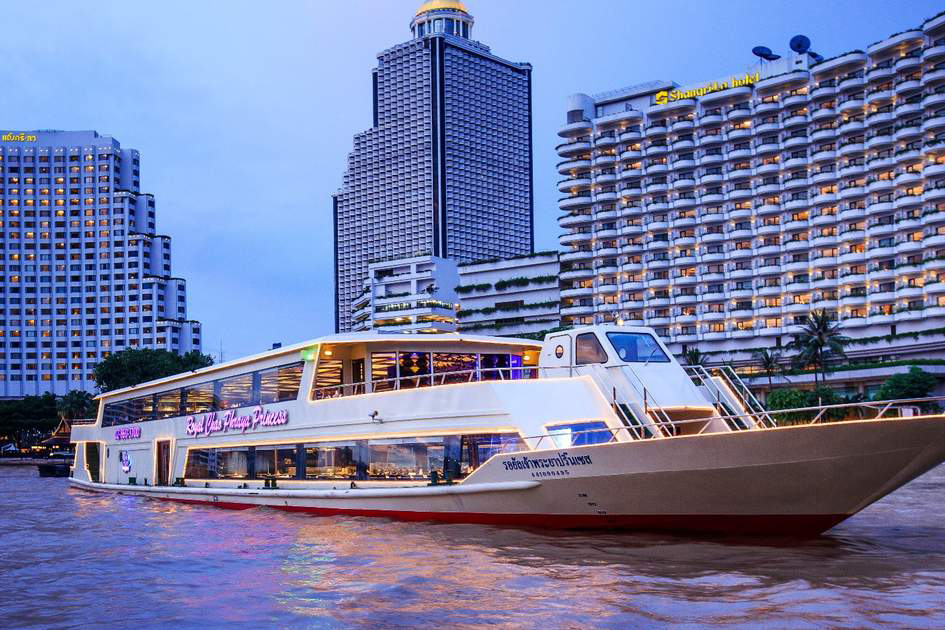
433,5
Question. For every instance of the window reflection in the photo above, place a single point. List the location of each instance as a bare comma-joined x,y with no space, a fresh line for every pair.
410,458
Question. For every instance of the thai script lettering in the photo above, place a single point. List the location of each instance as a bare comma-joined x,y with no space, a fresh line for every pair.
18,137
561,461
230,420
128,433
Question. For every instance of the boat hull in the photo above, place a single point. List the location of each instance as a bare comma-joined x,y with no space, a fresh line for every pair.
796,481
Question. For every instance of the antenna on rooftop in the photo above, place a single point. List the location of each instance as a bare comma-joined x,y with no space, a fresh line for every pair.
801,45
764,53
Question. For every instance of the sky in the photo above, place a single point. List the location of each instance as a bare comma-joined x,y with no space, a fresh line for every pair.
244,112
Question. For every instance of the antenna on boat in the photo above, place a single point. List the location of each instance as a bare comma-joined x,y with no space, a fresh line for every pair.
221,349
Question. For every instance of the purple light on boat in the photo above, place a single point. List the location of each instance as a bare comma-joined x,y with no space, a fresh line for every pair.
211,423
128,433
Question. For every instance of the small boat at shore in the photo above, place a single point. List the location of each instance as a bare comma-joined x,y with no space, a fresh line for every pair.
56,465
596,427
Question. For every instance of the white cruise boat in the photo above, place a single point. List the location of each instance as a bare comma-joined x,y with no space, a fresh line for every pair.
597,427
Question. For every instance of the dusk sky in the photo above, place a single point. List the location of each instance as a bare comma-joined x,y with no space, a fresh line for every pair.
244,112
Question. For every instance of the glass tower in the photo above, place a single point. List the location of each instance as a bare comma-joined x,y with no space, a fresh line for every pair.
446,169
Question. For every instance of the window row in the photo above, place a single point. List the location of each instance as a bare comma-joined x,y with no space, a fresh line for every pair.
278,384
453,457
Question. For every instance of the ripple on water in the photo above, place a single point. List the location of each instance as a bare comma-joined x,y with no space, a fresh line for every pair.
74,559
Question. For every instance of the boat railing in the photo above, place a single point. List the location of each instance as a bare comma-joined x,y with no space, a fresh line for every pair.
865,410
76,421
735,391
416,381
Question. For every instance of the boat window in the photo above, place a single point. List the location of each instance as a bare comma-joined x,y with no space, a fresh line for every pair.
236,391
168,404
446,366
198,398
587,349
494,366
280,384
275,461
218,463
405,458
414,369
580,434
335,460
383,371
329,376
637,347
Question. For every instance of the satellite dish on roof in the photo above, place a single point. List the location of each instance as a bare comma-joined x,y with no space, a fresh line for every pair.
816,57
800,44
764,53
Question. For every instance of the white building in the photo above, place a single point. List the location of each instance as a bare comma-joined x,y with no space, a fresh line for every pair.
408,294
427,294
510,297
723,213
84,271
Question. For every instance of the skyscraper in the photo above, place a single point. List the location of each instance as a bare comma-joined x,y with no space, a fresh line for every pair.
84,271
446,169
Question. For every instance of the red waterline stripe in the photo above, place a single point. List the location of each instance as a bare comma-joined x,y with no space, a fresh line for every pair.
755,524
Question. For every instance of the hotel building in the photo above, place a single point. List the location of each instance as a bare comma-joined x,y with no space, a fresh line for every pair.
84,271
446,168
721,214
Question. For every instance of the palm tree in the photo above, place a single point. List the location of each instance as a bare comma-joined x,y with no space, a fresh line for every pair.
769,362
695,357
818,341
75,404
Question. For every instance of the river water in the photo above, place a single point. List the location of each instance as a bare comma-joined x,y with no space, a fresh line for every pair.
71,559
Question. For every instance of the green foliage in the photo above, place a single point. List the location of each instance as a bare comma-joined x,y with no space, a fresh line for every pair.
133,366
489,310
76,404
769,361
916,383
781,399
693,356
30,412
469,288
818,342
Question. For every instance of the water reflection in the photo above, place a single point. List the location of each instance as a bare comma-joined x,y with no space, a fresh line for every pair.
70,558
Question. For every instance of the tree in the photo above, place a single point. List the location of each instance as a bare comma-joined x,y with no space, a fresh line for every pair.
76,404
133,366
769,362
695,357
785,399
818,342
916,383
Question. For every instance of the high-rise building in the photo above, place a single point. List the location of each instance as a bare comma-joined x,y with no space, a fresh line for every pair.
446,169
723,213
84,271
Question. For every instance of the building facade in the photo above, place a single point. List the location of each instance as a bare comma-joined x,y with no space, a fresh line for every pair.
721,214
446,168
511,296
408,295
428,294
85,272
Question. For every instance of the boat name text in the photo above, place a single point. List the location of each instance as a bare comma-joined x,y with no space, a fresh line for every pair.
128,433
211,423
563,460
